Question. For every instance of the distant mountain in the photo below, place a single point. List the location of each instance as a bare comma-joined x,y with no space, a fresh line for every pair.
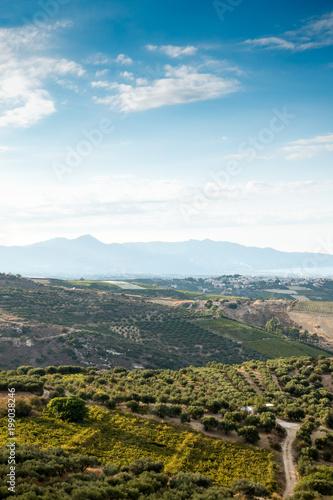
86,255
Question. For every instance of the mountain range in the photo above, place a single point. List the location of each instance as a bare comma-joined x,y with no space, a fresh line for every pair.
87,256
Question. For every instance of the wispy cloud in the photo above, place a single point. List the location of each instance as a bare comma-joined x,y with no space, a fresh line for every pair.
119,200
127,75
23,99
174,51
313,34
308,148
122,59
100,59
272,42
180,84
245,156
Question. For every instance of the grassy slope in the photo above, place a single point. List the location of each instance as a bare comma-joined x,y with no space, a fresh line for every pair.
261,341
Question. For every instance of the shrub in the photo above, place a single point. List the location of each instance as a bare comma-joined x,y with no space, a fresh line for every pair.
250,433
248,488
72,409
133,405
22,408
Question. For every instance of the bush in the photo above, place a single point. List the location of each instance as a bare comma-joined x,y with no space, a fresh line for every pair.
23,370
184,417
51,370
36,371
101,397
250,433
72,408
195,412
248,488
267,421
187,478
145,464
133,405
22,408
36,402
209,423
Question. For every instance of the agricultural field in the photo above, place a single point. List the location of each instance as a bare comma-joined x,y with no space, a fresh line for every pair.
191,420
260,341
117,437
72,322
314,306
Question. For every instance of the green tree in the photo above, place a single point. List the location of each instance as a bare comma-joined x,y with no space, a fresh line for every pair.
72,408
250,433
249,489
267,421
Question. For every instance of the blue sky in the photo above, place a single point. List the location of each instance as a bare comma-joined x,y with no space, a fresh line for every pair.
140,121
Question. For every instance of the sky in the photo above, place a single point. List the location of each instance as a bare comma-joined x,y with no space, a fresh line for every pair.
169,121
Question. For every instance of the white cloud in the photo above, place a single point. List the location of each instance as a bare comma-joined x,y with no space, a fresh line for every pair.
174,51
100,58
181,84
37,106
308,148
120,200
23,100
102,84
122,59
245,156
3,149
44,66
102,72
142,81
271,42
314,34
67,84
127,75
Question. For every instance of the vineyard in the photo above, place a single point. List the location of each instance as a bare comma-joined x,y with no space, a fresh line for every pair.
260,341
314,306
120,438
283,348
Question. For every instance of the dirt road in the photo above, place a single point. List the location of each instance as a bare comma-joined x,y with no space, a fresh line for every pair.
287,452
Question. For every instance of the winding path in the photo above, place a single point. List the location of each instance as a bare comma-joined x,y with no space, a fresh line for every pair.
287,454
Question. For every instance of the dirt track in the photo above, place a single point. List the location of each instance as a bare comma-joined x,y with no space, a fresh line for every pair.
287,454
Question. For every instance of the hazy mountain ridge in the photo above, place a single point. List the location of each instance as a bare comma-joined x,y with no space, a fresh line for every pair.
87,255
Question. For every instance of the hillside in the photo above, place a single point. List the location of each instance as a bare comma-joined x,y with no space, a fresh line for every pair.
58,323
88,256
191,420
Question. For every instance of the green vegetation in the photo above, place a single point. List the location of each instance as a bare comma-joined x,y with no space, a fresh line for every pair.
71,409
154,416
262,342
121,438
57,475
314,306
